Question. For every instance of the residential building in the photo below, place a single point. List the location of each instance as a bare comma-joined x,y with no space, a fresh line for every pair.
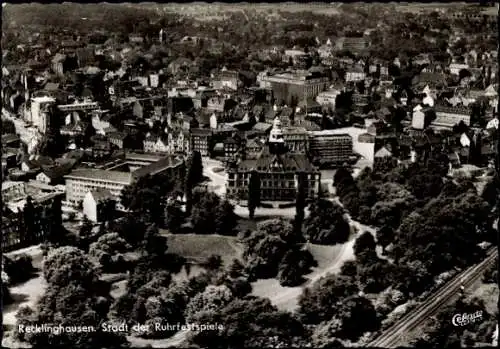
234,147
355,73
254,148
200,140
120,139
447,117
296,139
42,113
98,204
54,174
330,148
328,98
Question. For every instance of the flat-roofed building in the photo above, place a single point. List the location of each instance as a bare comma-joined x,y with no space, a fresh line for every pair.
294,86
115,175
328,147
447,117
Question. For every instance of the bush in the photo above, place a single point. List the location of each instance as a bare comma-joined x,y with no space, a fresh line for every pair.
18,268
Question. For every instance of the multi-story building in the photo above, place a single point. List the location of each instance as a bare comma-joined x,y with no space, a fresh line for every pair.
200,140
227,79
328,98
355,73
234,148
360,102
296,139
278,171
42,113
114,176
14,232
294,87
329,147
353,44
86,106
447,117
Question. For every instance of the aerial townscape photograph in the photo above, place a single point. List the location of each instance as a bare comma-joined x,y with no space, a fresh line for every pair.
250,175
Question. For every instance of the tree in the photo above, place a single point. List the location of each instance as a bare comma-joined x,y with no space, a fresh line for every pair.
300,204
211,215
326,223
262,254
294,264
74,297
322,300
213,262
357,315
148,196
251,322
253,193
208,301
154,244
195,170
282,228
108,252
364,243
174,216
18,268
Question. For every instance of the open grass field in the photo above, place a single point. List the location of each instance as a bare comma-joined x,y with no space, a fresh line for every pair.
329,258
199,247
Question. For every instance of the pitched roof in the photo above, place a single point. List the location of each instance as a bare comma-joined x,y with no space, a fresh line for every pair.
100,195
287,162
383,153
59,57
58,171
51,86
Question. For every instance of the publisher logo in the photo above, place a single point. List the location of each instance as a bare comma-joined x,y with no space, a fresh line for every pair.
466,318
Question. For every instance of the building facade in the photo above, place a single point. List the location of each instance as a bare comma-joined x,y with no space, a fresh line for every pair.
296,139
294,87
277,170
327,147
116,175
200,140
42,113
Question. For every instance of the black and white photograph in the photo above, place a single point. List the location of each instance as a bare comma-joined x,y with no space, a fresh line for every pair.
250,175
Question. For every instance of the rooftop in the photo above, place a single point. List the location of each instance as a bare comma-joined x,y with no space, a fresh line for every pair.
110,176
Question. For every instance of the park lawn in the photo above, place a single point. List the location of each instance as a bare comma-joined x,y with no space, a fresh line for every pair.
197,247
329,258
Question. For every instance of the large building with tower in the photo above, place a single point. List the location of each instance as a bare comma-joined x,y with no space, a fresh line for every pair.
278,171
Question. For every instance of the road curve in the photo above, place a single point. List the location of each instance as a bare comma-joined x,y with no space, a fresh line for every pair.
391,337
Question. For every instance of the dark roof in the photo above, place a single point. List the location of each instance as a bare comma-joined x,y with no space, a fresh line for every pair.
51,86
288,162
201,132
102,195
10,137
117,135
204,118
57,172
